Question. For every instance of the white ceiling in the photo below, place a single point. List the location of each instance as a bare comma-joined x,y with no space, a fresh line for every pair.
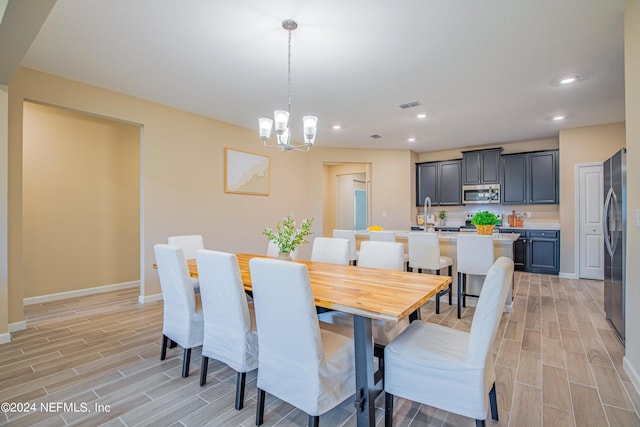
483,71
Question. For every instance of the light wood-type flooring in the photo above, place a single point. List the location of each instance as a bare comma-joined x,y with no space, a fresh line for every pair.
559,363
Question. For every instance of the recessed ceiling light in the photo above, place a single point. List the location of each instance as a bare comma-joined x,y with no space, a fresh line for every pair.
569,79
336,127
421,116
411,140
557,118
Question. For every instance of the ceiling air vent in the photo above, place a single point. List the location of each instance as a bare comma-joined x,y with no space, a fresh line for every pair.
376,136
409,104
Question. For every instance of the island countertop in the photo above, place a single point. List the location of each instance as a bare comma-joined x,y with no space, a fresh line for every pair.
506,238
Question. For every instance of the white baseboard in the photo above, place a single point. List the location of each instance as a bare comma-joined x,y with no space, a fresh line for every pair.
5,338
632,372
80,292
143,299
18,326
568,276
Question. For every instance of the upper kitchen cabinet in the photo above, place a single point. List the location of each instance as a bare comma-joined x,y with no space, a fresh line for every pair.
530,178
440,181
426,182
450,183
481,167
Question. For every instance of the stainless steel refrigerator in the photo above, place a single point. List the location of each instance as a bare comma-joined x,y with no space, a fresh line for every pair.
614,225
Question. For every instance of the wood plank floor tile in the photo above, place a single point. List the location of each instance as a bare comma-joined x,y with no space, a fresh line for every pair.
552,353
530,368
556,388
618,417
531,340
554,417
612,391
578,369
527,406
587,407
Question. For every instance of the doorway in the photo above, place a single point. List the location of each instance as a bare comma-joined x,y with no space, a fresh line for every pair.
589,190
347,196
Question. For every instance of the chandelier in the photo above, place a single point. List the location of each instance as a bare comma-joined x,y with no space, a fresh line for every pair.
281,117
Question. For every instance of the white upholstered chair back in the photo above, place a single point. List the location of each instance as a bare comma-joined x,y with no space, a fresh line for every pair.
177,292
285,316
489,310
273,250
182,322
189,244
331,250
228,335
384,255
424,251
351,236
474,253
293,362
382,236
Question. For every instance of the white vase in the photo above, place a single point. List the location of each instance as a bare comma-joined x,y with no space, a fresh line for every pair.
286,256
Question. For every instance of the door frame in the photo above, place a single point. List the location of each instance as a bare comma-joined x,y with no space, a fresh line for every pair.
576,218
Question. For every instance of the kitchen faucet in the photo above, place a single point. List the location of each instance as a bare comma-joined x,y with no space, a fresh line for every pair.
427,213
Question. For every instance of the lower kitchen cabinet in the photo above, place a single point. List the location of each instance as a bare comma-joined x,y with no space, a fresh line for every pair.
536,251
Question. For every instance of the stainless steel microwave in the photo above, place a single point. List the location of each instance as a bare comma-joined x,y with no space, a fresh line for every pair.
484,193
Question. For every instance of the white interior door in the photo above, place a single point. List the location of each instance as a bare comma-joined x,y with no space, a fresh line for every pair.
344,202
591,239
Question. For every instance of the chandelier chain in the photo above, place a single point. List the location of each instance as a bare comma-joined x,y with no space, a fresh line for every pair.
289,69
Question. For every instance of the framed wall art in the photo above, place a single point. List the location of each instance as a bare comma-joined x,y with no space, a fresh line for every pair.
246,173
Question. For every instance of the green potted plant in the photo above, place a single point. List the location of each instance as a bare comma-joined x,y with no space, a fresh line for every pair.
443,217
287,236
484,222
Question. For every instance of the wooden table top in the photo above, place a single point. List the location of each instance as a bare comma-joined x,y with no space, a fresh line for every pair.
374,293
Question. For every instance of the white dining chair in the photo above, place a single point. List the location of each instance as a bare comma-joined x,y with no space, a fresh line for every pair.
299,362
386,236
383,255
230,334
182,321
189,244
330,250
424,254
474,255
446,368
273,250
351,236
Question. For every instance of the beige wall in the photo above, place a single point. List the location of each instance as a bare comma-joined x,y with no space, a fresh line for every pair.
632,107
580,145
81,199
390,189
332,171
181,184
4,278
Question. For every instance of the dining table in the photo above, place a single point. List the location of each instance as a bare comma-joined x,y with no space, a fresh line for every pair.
367,294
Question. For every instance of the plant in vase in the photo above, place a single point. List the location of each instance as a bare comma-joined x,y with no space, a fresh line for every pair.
287,236
484,222
443,218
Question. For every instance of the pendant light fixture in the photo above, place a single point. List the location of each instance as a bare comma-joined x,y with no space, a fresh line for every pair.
281,117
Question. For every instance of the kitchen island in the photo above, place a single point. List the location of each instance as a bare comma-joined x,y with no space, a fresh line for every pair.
502,246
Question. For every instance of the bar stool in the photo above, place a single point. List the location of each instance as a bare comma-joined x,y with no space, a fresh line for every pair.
351,236
424,254
474,256
386,236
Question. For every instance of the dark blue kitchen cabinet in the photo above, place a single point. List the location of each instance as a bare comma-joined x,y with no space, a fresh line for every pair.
481,166
530,178
440,181
536,251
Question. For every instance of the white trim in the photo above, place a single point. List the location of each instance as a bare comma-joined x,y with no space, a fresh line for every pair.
80,292
568,276
142,299
632,372
5,338
18,326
